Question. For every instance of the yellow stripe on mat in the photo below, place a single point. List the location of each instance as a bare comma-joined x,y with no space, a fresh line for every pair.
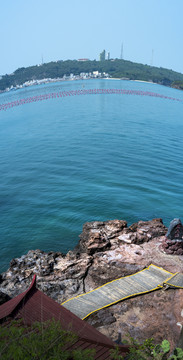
175,281
144,281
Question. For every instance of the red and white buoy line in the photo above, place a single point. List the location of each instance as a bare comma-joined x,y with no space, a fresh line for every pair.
62,94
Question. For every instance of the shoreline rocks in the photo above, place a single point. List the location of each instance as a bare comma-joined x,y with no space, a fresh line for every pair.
106,251
173,242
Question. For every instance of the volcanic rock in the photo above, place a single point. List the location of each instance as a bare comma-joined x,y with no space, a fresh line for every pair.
3,298
173,241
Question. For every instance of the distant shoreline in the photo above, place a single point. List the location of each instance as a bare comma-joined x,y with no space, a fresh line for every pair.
48,81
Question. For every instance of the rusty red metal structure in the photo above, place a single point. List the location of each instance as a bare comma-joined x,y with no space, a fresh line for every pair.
33,305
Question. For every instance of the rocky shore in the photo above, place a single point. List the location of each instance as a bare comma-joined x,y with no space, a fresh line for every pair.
106,251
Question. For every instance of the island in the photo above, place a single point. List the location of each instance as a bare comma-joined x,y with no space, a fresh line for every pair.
89,69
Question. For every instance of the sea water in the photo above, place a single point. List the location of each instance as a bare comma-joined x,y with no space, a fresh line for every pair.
68,160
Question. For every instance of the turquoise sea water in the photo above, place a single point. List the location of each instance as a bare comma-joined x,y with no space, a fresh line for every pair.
69,160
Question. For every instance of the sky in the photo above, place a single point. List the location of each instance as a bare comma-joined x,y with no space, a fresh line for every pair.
31,30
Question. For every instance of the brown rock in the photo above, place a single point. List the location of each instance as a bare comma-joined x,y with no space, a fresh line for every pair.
96,235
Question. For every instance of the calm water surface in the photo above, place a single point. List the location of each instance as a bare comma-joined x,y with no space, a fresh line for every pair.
69,160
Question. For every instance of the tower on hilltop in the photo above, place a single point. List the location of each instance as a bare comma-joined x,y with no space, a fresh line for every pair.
102,56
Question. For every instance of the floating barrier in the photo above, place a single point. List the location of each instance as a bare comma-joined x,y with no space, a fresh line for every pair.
62,94
142,282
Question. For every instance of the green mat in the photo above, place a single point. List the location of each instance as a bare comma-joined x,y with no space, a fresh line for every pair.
149,279
176,281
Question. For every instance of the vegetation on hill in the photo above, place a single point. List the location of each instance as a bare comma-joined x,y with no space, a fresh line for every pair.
178,85
115,68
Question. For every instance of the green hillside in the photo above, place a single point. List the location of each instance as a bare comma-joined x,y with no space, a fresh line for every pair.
115,68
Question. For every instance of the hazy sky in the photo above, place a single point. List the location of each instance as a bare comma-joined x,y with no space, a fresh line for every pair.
151,31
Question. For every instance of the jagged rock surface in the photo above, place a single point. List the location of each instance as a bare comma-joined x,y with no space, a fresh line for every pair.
172,247
106,251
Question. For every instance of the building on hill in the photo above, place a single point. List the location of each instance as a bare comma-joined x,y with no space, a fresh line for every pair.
84,59
34,306
102,56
